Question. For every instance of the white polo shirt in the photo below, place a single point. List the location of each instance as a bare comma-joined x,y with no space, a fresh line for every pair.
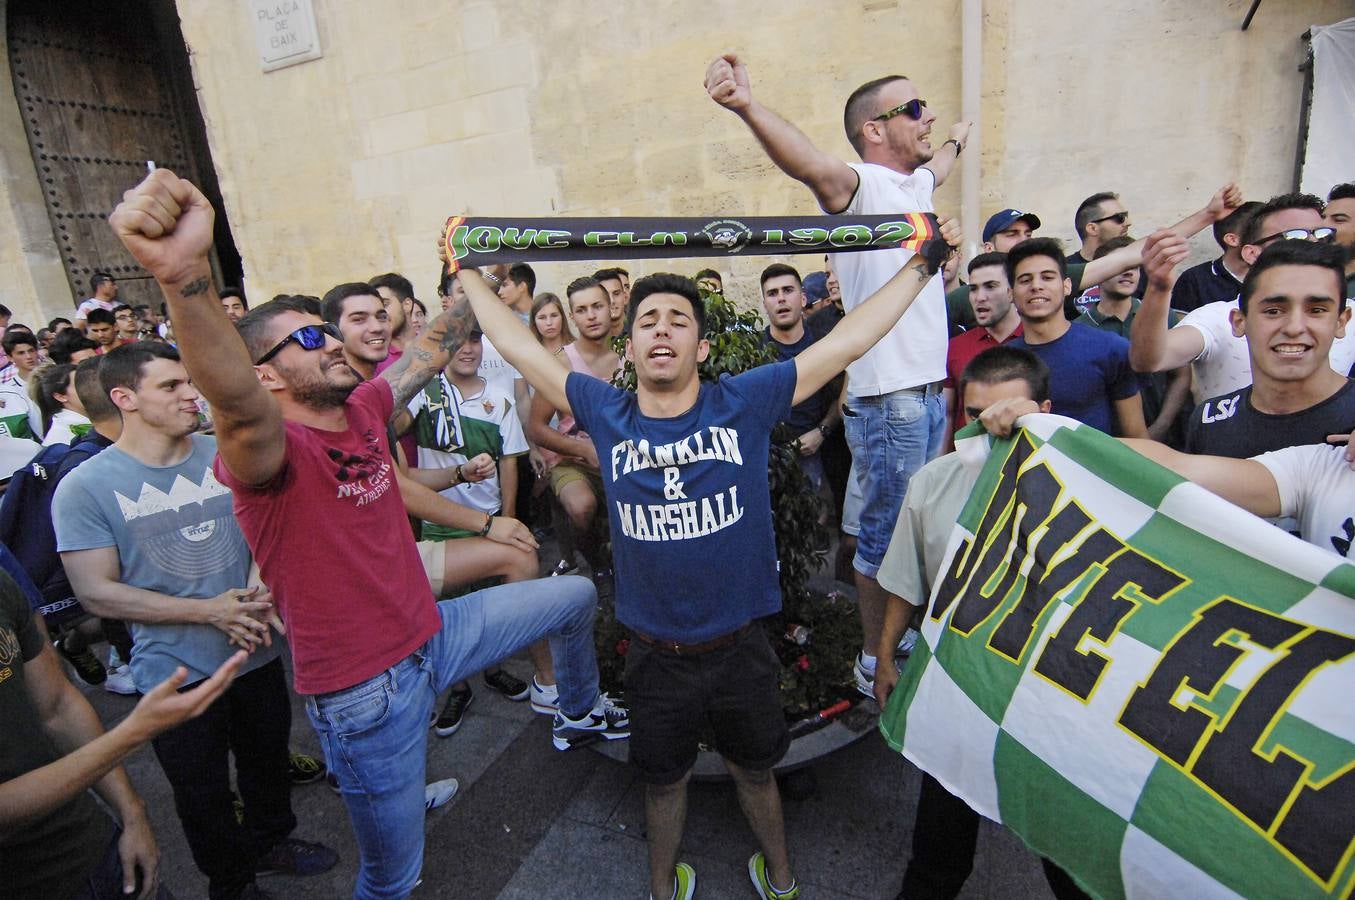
913,353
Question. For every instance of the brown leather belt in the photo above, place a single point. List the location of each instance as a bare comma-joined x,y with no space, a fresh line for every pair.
677,648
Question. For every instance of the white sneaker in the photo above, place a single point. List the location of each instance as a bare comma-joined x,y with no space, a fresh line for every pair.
438,793
545,698
865,681
119,681
908,642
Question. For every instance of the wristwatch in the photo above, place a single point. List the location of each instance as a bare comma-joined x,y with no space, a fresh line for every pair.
959,148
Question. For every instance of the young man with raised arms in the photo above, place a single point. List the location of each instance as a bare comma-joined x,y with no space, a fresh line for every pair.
684,467
302,445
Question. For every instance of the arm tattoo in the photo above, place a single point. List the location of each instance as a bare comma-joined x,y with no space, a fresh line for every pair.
195,287
423,360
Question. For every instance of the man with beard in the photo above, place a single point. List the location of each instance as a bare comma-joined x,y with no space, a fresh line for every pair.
147,536
894,417
810,421
301,442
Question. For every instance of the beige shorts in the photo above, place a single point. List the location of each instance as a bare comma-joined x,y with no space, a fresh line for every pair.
434,556
567,473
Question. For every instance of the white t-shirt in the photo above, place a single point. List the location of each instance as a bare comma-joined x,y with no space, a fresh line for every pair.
1224,365
83,310
496,371
913,353
63,427
1317,488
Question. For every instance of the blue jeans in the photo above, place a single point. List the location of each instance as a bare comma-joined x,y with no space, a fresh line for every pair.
375,734
891,436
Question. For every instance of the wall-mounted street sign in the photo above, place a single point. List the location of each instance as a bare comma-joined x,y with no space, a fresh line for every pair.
285,32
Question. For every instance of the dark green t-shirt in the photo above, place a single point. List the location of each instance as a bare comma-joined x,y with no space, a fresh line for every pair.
50,857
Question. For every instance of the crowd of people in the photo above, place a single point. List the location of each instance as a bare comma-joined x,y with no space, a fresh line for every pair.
371,480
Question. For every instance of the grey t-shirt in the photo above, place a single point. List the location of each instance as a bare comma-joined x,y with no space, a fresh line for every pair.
175,534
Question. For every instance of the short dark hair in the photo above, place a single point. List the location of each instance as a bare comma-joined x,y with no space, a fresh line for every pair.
1344,191
1279,203
4,311
97,279
1112,245
709,273
67,342
122,366
1042,246
228,292
331,305
667,283
15,337
1235,222
582,283
998,364
1297,253
58,320
1087,209
101,317
860,109
419,303
398,285
89,387
607,275
991,258
445,280
521,273
776,270
254,325
119,307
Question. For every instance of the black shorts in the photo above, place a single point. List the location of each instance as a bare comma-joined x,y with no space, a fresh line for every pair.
674,701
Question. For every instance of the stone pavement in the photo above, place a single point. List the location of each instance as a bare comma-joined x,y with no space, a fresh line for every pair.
531,822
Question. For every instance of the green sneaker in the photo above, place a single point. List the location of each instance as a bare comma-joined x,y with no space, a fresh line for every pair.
757,872
684,882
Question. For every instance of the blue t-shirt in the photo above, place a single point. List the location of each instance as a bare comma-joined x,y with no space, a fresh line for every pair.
808,413
690,510
175,533
1088,371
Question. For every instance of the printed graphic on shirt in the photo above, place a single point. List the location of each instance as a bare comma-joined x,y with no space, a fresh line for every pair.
184,532
9,652
366,477
683,518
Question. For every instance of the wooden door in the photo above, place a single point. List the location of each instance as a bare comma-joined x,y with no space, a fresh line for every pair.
92,84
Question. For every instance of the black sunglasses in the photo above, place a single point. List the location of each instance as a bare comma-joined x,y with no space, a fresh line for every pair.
1118,218
912,109
1321,235
310,337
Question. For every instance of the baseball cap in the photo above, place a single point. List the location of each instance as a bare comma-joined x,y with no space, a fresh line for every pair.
1003,219
815,287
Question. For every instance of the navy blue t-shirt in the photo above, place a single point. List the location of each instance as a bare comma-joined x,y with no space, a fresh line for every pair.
691,518
1088,371
808,413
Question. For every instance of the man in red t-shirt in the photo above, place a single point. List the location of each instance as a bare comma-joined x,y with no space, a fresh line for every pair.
997,323
302,445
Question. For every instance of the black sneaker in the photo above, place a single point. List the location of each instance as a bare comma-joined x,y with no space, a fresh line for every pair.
452,713
303,769
514,689
300,858
85,663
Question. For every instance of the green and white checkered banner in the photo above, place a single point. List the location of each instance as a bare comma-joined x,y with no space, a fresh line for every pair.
1150,686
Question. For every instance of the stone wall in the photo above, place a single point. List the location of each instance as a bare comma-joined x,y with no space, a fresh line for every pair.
346,166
